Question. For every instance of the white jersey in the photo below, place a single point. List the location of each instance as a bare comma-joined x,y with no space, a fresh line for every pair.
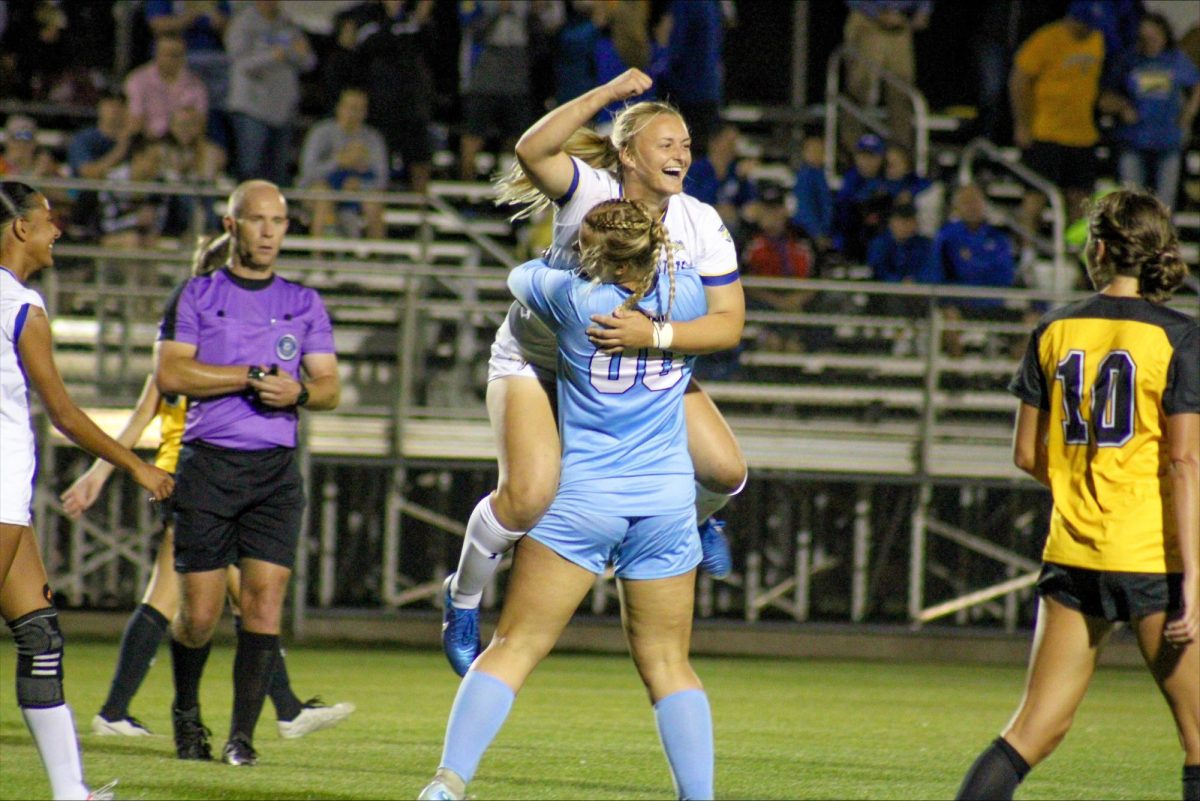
699,238
17,465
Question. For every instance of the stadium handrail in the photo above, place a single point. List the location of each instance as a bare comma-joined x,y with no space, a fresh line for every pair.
996,154
833,94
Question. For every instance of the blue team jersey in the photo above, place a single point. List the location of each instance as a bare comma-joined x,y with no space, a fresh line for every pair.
620,417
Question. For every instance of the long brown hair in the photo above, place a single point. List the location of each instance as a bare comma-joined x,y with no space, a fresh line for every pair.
1139,242
628,240
602,152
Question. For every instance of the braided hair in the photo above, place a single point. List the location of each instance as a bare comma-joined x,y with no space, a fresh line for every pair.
627,243
1139,242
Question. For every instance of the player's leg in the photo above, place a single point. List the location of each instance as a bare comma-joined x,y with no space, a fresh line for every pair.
528,452
543,592
139,643
657,616
1066,646
656,569
1175,670
720,473
27,608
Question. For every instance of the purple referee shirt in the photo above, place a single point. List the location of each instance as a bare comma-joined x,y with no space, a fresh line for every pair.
233,320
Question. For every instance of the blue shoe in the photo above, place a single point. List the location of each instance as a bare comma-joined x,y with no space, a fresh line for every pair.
460,632
717,561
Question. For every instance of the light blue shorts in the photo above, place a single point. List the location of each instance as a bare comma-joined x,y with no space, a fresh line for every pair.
654,547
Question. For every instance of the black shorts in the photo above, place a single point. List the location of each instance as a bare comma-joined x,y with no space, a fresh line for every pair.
1111,595
500,116
1068,167
232,505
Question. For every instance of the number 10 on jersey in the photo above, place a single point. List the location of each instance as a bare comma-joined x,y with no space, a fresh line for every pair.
1112,399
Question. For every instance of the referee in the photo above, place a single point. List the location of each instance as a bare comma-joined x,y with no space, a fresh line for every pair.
248,349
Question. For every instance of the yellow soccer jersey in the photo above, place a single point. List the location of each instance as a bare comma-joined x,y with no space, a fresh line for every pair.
1108,371
172,411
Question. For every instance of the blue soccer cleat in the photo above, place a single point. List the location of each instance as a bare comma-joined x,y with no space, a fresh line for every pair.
460,632
717,561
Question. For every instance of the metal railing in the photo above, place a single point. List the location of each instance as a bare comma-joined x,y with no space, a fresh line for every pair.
1063,274
836,101
842,469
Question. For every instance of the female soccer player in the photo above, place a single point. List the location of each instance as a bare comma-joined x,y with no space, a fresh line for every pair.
1110,421
27,236
625,498
645,159
160,602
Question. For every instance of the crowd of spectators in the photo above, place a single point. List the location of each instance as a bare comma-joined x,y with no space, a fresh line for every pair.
219,97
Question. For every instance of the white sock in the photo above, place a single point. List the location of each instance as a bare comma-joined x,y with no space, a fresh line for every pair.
486,543
53,732
709,503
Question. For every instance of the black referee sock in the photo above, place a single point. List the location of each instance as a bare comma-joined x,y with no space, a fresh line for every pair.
139,643
188,667
252,666
1191,783
287,705
995,774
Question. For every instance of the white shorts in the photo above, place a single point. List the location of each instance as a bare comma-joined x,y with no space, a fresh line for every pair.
509,358
16,488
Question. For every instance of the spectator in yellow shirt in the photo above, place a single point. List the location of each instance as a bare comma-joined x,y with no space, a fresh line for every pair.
1054,85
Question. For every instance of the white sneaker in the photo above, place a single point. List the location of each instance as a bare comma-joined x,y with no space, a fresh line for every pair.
104,793
446,786
125,727
314,716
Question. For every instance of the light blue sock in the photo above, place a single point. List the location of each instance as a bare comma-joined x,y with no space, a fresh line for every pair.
685,729
479,710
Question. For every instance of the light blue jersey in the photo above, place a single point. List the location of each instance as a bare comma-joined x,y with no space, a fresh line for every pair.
620,417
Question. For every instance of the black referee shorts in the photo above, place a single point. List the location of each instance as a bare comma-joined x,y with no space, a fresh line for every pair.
1111,595
232,505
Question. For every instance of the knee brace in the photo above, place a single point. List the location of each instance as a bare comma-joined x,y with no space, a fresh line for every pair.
39,659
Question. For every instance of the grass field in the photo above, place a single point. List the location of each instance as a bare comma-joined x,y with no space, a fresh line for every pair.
582,729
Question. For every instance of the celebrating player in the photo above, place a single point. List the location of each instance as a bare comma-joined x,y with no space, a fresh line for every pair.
27,236
1109,420
626,497
150,620
645,159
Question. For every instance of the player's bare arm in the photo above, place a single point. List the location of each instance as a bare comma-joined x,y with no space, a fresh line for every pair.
720,329
540,151
84,491
1183,437
37,354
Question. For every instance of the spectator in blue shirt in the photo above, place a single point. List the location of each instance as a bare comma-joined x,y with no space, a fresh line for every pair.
1149,99
693,79
861,205
814,200
904,185
900,254
969,251
94,151
721,179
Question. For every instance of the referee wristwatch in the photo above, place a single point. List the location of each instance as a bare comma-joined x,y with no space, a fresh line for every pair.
302,398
